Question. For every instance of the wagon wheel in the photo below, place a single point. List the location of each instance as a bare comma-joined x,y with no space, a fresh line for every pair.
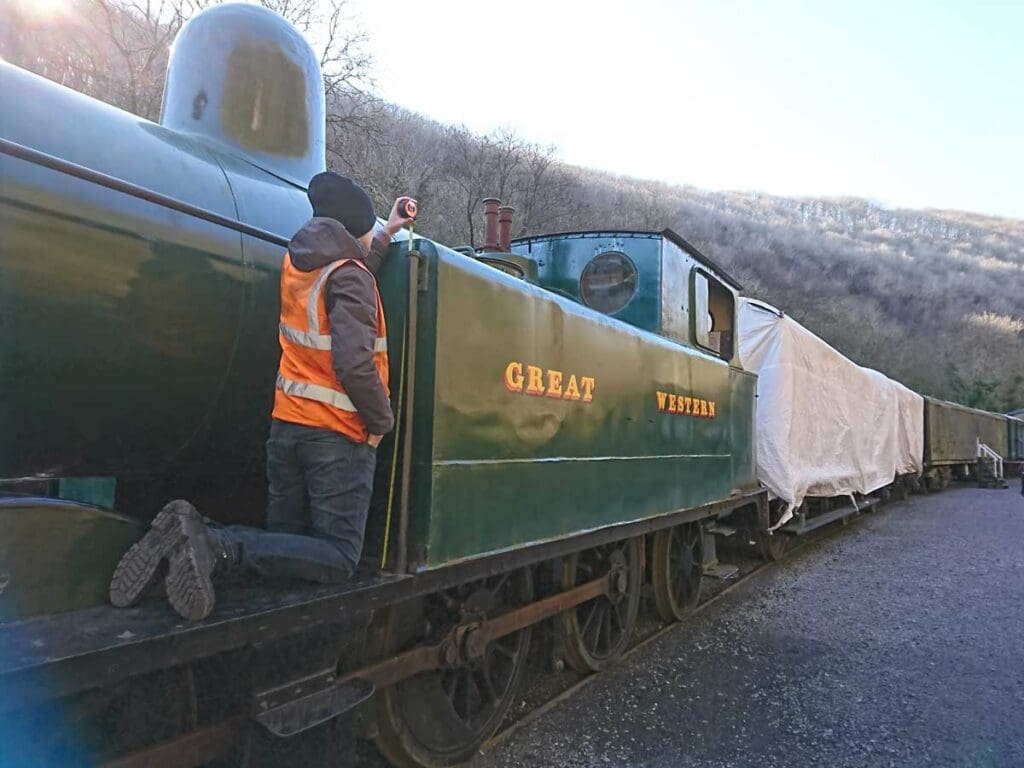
598,631
441,717
773,544
676,557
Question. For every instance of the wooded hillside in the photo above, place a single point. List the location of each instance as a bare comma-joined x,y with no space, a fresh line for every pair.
932,298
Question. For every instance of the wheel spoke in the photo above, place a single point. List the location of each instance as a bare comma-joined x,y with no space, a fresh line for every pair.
496,589
595,628
470,685
590,616
618,616
499,646
483,675
606,625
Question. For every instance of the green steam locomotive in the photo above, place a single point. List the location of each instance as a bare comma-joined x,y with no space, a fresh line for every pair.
573,421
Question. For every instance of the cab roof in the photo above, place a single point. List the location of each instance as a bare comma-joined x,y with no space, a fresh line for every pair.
668,234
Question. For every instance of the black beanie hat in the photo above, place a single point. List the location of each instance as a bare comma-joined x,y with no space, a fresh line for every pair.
338,197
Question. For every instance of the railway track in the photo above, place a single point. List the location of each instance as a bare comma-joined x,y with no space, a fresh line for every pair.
550,683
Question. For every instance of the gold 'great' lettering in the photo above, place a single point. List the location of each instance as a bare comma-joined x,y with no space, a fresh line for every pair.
527,379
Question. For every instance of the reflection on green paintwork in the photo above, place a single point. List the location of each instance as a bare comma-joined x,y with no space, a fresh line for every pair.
496,468
57,555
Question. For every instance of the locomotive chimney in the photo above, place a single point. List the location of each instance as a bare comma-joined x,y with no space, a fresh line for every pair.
491,206
505,228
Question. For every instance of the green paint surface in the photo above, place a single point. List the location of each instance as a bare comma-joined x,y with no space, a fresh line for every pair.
58,556
503,468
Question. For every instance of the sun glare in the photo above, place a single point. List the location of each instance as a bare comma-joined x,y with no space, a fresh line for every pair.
43,10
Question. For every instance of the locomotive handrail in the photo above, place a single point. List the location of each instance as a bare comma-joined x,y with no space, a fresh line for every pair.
60,165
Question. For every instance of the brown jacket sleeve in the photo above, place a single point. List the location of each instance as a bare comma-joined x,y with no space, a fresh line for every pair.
378,250
351,304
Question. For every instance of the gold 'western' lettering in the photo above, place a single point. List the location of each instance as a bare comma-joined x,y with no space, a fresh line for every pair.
669,402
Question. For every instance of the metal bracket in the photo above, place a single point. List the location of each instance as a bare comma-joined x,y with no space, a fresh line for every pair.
303,704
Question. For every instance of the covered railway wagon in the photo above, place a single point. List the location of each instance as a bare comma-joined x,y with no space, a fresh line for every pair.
834,438
566,422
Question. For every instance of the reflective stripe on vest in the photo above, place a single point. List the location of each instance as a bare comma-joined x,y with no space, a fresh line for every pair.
321,341
315,392
312,339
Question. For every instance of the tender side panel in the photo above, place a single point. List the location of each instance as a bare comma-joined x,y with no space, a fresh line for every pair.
595,445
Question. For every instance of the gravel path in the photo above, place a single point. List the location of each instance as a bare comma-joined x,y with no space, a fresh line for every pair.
897,642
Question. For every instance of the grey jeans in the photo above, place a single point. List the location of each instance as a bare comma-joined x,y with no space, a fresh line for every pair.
319,493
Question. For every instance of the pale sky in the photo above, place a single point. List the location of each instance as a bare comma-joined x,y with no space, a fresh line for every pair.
915,104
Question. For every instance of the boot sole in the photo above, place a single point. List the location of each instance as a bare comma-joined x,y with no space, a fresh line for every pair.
189,585
139,568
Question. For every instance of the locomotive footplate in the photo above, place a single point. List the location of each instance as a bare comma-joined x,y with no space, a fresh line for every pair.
53,656
302,704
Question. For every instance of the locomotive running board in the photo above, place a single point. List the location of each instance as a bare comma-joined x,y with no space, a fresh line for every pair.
800,527
301,704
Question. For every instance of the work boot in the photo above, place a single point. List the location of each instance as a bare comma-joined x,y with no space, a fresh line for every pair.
140,566
191,564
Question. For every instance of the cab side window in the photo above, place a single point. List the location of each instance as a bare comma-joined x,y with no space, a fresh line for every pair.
714,315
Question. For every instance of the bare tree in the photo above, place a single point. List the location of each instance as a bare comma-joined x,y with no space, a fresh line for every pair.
116,50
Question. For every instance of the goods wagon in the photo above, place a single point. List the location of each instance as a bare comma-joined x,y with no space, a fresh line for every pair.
952,434
570,410
833,438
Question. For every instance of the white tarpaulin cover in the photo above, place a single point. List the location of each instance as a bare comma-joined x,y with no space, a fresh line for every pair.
825,425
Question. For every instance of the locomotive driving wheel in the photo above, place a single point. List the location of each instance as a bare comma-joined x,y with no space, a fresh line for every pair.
676,557
598,631
441,717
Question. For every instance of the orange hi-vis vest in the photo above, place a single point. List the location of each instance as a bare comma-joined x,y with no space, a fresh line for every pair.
308,391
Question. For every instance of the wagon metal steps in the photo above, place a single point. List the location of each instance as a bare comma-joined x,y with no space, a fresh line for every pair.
802,525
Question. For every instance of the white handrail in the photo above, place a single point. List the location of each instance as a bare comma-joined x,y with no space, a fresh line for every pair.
997,461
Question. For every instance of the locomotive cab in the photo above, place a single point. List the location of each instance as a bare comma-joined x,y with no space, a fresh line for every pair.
656,281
